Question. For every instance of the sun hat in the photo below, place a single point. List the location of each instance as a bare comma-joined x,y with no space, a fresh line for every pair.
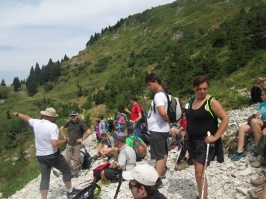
74,112
50,112
142,173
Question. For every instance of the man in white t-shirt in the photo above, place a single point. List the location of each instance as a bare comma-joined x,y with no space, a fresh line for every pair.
158,125
47,153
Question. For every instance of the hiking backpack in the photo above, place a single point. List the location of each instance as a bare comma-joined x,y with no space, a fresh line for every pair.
87,160
139,148
143,114
255,94
174,109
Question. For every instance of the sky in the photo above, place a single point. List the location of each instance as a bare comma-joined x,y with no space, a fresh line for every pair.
33,31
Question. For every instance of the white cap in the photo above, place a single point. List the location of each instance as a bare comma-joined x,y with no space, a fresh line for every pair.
142,173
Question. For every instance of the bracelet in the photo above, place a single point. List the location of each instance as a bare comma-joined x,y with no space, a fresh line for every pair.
17,114
66,140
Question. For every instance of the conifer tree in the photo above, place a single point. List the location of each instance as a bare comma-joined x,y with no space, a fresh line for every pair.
3,83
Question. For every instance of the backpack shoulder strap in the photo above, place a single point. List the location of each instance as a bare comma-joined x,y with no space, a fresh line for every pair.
209,103
161,91
191,101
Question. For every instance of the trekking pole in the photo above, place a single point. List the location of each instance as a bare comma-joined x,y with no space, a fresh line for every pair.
205,167
119,185
176,161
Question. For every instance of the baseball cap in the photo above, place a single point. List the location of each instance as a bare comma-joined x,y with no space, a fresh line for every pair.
142,173
74,112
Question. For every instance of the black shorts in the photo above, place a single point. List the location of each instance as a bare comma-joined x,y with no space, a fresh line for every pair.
158,145
197,151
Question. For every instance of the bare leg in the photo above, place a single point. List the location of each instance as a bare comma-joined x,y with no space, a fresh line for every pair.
199,168
243,129
44,193
256,126
160,165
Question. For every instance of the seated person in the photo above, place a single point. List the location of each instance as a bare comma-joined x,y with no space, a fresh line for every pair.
126,160
176,131
118,132
143,182
145,134
256,125
130,138
105,141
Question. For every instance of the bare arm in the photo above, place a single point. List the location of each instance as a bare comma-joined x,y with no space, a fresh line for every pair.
24,117
222,115
57,143
162,112
86,134
62,132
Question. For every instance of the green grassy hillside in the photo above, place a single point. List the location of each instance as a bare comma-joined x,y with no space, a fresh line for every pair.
223,40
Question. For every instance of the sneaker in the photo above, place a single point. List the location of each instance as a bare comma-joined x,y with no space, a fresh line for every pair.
256,193
183,165
259,181
258,163
73,193
237,156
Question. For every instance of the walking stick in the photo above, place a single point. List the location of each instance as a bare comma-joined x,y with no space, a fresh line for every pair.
205,167
176,161
119,185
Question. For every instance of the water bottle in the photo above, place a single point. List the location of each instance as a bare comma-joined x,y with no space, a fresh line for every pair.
170,140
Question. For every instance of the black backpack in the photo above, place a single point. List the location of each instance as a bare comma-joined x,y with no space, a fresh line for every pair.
93,191
87,159
143,114
255,94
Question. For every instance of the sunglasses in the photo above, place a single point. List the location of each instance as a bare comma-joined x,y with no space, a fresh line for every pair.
131,185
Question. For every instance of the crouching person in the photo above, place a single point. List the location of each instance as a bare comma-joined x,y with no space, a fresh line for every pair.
143,182
126,160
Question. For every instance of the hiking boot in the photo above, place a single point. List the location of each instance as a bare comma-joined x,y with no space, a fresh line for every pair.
258,163
183,165
73,193
237,156
259,181
256,193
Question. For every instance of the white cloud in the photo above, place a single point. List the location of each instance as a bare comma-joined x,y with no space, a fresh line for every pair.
36,30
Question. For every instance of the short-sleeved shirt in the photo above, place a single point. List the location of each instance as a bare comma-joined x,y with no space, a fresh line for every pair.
44,132
155,122
135,110
119,134
263,105
127,158
130,140
75,131
183,122
109,142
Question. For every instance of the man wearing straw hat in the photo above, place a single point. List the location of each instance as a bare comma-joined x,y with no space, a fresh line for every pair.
48,155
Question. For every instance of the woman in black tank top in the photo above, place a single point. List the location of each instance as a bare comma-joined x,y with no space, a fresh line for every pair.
199,122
